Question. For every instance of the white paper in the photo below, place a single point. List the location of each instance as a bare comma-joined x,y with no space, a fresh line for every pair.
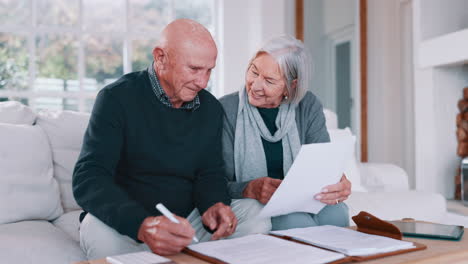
316,166
143,257
256,249
344,240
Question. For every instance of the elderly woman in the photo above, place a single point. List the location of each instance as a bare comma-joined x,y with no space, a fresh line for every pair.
265,125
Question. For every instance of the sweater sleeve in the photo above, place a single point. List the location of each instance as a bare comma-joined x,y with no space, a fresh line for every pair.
235,188
94,185
210,186
316,129
230,104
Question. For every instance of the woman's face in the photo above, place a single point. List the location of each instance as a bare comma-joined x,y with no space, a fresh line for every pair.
264,82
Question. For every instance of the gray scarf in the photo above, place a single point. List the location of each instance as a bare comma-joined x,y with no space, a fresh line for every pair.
249,155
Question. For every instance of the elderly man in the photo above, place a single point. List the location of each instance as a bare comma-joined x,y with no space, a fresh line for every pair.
155,137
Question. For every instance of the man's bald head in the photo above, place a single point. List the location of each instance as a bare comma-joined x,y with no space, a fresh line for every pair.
183,59
185,33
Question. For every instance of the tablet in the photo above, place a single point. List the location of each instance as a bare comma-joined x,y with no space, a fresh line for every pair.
430,230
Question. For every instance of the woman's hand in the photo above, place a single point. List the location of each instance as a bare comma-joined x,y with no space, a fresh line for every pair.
335,193
261,189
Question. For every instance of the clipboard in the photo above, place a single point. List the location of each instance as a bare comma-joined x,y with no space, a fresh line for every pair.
365,222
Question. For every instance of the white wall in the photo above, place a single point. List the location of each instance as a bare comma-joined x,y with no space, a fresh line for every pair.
407,89
390,84
245,25
338,14
442,17
314,40
437,90
384,96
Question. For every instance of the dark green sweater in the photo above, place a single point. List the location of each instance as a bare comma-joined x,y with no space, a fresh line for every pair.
273,150
138,152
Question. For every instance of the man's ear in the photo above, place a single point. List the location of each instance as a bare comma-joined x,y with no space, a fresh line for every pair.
160,58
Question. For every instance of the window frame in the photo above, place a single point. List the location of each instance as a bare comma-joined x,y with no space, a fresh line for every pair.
31,31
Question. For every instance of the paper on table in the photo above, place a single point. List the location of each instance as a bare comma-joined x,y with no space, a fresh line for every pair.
143,257
316,166
256,249
344,240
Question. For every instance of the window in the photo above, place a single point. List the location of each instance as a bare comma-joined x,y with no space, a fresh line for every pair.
57,54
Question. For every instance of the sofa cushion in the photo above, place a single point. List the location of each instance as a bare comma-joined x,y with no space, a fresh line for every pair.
28,189
331,120
380,177
13,112
424,206
70,224
65,130
351,168
37,242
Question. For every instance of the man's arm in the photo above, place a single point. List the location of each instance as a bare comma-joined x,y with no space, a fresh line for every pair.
210,186
94,185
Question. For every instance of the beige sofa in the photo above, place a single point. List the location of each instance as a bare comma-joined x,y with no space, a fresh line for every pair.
39,216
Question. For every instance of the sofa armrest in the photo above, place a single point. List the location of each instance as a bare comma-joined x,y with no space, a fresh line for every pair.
383,177
397,205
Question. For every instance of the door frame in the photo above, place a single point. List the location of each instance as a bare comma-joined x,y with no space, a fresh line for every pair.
343,35
361,58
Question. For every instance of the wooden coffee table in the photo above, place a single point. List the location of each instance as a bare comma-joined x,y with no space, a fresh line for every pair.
438,251
180,258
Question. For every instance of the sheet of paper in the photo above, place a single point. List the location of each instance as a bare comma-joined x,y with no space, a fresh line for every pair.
256,249
316,166
143,257
344,240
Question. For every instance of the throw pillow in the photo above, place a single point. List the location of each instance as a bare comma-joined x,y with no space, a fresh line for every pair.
65,130
28,189
352,169
331,120
13,112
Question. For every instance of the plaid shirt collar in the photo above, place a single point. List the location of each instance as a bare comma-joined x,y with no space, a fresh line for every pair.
162,96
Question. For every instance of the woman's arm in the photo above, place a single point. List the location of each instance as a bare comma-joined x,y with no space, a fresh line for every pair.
235,188
316,132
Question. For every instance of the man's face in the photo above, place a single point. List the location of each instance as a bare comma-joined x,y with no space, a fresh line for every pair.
188,71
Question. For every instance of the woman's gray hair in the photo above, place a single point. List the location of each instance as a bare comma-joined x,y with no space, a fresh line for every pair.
294,62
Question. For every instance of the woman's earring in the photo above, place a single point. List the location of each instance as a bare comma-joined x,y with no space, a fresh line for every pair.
285,97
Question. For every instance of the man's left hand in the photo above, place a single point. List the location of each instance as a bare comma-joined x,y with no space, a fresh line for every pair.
220,217
335,193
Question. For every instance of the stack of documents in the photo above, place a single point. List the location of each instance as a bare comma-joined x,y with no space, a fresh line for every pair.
344,240
255,249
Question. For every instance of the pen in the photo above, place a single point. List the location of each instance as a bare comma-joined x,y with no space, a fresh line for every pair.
171,217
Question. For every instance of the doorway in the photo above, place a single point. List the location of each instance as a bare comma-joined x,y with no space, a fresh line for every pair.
342,92
344,100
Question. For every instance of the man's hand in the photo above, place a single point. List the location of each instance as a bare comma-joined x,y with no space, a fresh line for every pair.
335,193
261,189
164,237
220,217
